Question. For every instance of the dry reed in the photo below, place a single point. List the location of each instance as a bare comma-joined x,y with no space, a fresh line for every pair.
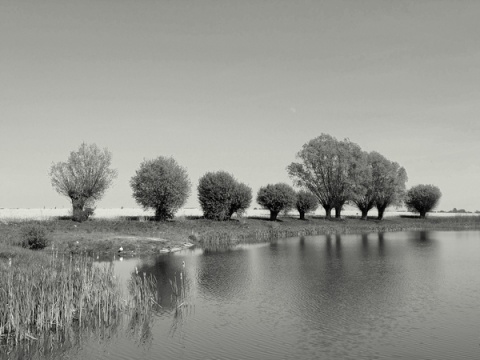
69,291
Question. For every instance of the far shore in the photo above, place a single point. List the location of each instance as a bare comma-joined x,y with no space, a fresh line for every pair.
136,235
17,214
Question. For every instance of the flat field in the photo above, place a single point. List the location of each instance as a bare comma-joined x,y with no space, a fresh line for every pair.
123,213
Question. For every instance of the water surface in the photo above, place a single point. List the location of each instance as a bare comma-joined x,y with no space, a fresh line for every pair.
405,295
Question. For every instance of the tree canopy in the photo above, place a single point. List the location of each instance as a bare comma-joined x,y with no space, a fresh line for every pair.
84,177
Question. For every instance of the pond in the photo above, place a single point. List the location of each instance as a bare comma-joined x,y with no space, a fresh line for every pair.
405,295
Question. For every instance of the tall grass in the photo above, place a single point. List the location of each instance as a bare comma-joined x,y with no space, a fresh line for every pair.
181,300
39,299
143,290
65,292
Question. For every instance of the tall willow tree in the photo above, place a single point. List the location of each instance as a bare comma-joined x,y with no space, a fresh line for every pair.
390,179
381,184
83,178
330,169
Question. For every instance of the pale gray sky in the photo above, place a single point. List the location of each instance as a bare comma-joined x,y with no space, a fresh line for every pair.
237,86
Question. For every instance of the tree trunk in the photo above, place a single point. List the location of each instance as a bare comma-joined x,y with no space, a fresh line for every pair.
422,214
381,210
302,215
338,211
328,212
78,213
273,215
162,214
364,214
158,214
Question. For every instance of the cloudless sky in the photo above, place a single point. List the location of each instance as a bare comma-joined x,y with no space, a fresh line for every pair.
238,86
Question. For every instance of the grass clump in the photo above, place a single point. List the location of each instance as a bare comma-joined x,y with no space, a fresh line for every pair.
34,236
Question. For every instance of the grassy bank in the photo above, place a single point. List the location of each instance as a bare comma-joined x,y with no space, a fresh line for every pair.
140,237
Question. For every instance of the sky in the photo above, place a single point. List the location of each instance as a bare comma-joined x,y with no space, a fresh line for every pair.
237,86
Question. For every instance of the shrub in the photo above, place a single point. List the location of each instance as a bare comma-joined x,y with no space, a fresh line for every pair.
306,202
161,184
276,198
34,237
422,199
221,195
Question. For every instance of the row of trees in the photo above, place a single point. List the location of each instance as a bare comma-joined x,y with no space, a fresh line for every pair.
163,185
339,172
329,172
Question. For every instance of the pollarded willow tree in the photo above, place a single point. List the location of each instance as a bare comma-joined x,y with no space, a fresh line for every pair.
221,195
365,195
276,198
380,184
330,169
241,199
83,178
422,198
161,184
305,203
390,187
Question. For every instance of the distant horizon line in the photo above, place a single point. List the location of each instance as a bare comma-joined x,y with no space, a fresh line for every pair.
348,208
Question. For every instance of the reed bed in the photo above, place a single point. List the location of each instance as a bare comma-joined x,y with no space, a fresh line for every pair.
50,298
64,293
